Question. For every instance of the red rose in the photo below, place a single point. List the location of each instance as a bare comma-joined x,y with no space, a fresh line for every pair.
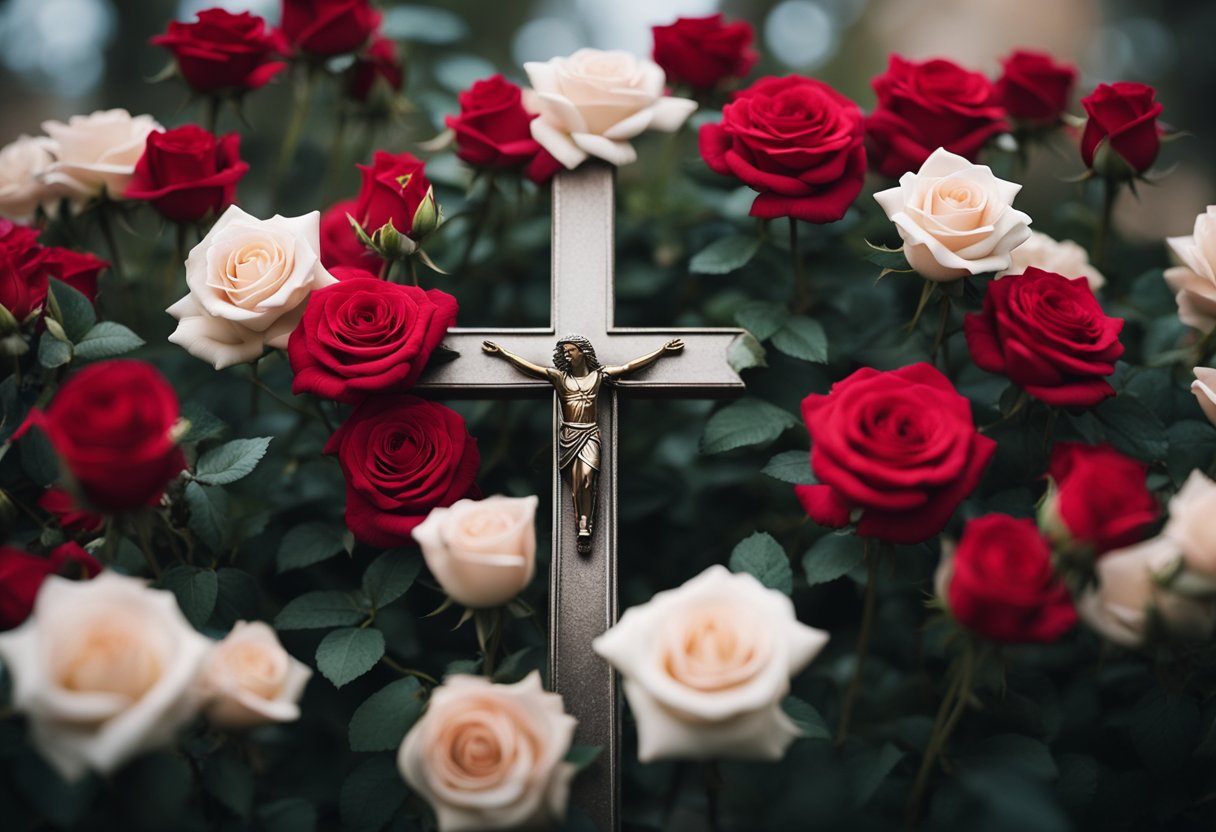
70,516
704,51
379,62
339,245
1122,121
395,190
1048,334
795,140
402,456
23,275
1099,497
351,272
110,424
328,27
223,51
1034,88
492,130
924,106
1001,584
363,335
22,574
78,269
896,452
187,174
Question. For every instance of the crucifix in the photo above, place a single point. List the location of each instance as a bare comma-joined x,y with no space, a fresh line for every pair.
582,583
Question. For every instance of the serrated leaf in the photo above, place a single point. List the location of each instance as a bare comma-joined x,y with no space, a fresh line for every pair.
725,255
832,556
196,590
231,461
371,794
745,352
52,352
1133,428
230,781
209,517
38,457
761,318
887,258
389,576
791,466
310,543
106,340
802,338
204,424
582,756
381,722
345,655
763,558
808,720
76,312
744,423
237,599
314,610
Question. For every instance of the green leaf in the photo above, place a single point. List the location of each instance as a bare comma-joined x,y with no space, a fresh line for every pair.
290,815
384,718
229,780
868,769
38,457
209,517
76,312
238,597
196,590
831,556
761,319
763,558
371,794
204,424
1192,445
743,423
583,755
310,543
1012,752
107,340
345,655
725,255
61,802
808,720
1133,428
792,467
745,352
314,610
887,258
390,575
231,461
1164,728
52,352
802,338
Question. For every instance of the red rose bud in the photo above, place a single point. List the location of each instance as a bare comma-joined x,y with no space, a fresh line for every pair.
187,174
380,63
78,269
702,52
1121,137
924,106
1097,500
1034,89
1001,585
1047,334
895,452
340,244
23,275
795,140
396,208
222,51
22,574
328,27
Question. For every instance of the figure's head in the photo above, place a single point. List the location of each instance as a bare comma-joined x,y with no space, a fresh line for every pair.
570,349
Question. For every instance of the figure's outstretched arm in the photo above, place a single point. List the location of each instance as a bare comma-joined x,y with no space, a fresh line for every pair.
522,364
671,347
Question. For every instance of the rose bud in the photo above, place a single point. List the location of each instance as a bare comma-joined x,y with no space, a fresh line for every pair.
1034,89
22,575
223,52
1193,279
703,52
376,71
340,244
249,679
96,154
187,174
1121,137
396,208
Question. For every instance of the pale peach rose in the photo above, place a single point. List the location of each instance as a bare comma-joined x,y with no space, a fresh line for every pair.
482,552
1194,280
705,666
96,154
21,164
1204,388
1192,523
955,218
248,281
1062,257
593,102
104,670
489,756
249,679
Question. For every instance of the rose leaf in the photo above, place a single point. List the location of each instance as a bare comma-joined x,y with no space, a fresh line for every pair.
345,655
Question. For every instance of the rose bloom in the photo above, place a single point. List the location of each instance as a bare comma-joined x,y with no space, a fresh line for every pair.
96,154
187,173
929,105
68,513
1194,279
999,582
795,140
955,218
1064,257
593,102
1192,523
703,52
494,131
248,280
1121,137
894,452
402,456
249,679
22,575
104,671
1048,335
482,552
1098,498
396,193
379,67
223,52
363,335
339,244
489,756
22,162
1034,88
1204,388
79,269
706,665
23,275
328,27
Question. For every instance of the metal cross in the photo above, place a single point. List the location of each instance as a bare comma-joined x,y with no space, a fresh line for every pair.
583,588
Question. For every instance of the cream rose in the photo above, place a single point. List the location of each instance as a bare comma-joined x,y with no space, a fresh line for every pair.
955,218
705,667
489,756
104,669
1194,280
593,102
1192,523
249,679
248,280
22,162
482,552
1204,388
1062,257
96,154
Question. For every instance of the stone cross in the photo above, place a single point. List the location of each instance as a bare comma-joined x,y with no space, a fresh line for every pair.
583,588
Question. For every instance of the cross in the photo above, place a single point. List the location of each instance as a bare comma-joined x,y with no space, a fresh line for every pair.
583,587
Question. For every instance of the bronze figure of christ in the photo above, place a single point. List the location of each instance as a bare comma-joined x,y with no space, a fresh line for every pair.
577,375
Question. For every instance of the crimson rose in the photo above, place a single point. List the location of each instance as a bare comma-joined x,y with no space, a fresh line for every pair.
402,456
895,452
78,269
328,27
1122,121
187,174
395,190
363,335
22,574
379,62
339,245
1034,89
1001,584
70,516
492,130
23,275
924,106
704,51
1048,334
223,51
1098,498
795,140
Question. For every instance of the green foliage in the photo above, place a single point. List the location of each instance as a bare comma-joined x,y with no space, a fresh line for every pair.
196,589
725,255
371,795
390,576
346,654
231,461
107,340
744,423
763,558
832,556
310,543
791,466
802,338
314,610
384,718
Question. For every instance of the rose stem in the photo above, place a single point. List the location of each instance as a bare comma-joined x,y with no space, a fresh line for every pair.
802,292
145,546
713,785
176,259
256,388
1110,190
107,232
211,113
926,292
480,216
408,671
863,642
386,269
939,340
412,268
334,166
291,138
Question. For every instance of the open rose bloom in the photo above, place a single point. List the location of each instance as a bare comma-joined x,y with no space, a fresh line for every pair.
249,679
95,155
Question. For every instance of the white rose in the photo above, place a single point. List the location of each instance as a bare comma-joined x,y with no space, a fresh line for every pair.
592,102
482,552
96,154
248,281
104,669
1062,257
489,756
1192,523
955,218
1204,388
21,164
705,667
249,679
1194,281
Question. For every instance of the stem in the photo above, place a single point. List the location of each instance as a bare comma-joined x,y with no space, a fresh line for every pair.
802,291
479,223
863,643
211,113
490,652
925,293
1110,190
409,671
291,137
336,157
107,232
177,259
940,338
386,270
412,268
145,546
256,387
